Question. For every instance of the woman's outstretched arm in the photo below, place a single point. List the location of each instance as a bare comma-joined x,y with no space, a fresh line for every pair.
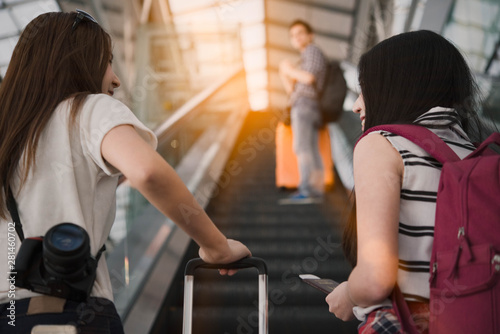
153,177
378,171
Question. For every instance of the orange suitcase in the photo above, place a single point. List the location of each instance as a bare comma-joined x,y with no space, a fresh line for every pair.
287,172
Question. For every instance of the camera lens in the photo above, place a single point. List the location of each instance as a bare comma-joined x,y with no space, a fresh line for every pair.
66,250
66,238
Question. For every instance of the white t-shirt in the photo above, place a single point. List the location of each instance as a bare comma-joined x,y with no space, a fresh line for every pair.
71,182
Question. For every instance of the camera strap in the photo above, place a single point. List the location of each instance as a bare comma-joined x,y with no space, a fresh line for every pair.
12,207
99,253
14,214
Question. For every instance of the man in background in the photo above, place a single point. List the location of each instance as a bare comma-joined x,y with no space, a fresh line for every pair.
303,83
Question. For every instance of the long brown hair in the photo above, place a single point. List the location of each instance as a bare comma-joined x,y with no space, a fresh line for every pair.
50,63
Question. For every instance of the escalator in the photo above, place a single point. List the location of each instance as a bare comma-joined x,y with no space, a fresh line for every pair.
292,239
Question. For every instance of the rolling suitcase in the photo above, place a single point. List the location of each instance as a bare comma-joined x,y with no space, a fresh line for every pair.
287,171
250,262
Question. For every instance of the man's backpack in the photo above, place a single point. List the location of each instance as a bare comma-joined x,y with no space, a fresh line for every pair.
331,98
465,261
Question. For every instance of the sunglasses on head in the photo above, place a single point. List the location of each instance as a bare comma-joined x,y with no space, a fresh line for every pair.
80,15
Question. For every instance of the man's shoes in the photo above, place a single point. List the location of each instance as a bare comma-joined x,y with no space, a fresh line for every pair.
299,198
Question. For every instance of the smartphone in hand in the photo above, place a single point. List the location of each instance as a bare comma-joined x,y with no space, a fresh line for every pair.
323,284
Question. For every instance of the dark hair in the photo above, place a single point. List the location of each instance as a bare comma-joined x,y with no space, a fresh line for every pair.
405,76
350,233
408,74
50,63
302,23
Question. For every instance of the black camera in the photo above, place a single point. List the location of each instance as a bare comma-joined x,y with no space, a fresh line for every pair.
58,264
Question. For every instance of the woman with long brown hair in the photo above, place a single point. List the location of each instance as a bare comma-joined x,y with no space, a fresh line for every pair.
64,141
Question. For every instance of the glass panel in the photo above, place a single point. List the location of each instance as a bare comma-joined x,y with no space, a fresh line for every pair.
345,4
249,11
491,107
400,15
177,62
481,14
14,19
257,79
7,26
253,36
494,67
255,59
179,6
7,46
259,99
474,26
403,11
419,13
248,15
140,230
26,12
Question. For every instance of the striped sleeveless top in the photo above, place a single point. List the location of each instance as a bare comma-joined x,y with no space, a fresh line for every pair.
418,198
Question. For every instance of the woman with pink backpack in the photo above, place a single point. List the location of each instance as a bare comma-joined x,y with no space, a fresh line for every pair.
413,82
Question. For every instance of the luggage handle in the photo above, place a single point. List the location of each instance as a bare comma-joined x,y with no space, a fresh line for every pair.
247,262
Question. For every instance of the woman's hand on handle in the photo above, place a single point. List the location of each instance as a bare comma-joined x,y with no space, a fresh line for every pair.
157,181
234,252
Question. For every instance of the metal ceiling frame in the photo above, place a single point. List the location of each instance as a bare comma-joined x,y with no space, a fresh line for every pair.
436,14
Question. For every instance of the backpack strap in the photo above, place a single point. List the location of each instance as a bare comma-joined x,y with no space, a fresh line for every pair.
14,214
490,146
403,312
422,137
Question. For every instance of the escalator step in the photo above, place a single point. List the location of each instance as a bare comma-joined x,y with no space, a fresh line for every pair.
292,239
282,320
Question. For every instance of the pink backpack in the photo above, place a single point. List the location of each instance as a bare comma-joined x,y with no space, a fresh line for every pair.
465,262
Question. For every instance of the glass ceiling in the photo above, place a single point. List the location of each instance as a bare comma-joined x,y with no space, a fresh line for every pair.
249,16
14,16
473,26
